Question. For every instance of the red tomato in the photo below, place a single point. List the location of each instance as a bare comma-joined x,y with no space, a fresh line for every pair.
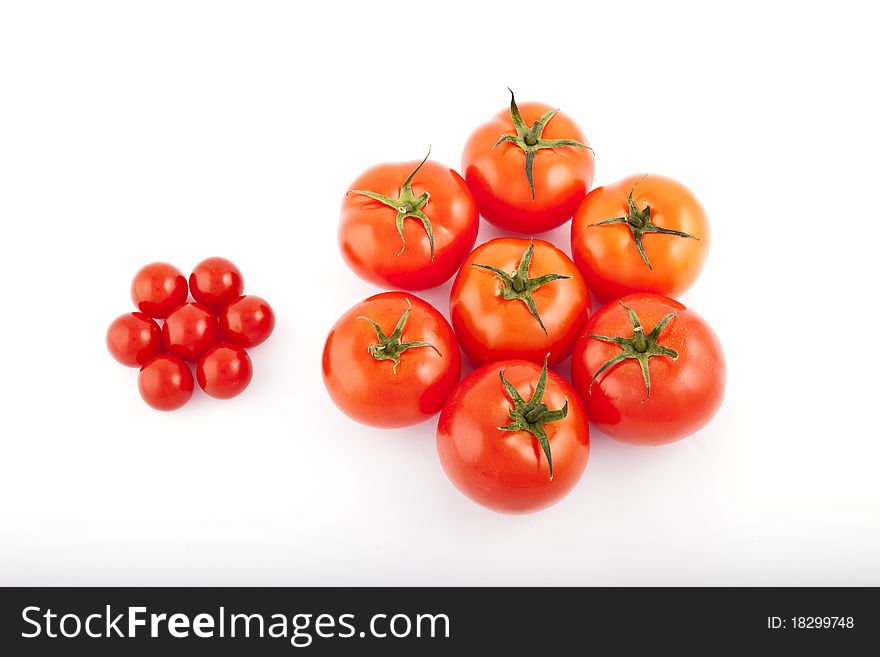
391,361
215,282
407,225
133,339
516,298
528,167
645,233
511,442
247,321
158,288
650,370
189,330
165,382
224,371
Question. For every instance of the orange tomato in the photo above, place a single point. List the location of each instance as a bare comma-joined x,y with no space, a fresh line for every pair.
657,212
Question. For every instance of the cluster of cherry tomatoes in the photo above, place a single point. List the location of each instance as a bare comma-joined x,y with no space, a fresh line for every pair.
514,435
213,332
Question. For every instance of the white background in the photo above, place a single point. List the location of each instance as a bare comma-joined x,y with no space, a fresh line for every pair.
133,132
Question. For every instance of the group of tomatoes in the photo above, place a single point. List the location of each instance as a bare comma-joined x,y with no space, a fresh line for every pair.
212,332
514,435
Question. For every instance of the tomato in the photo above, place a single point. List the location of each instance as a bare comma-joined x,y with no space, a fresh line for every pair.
133,339
247,321
516,298
514,437
215,282
407,225
528,167
165,382
224,371
391,361
646,233
189,330
650,370
158,288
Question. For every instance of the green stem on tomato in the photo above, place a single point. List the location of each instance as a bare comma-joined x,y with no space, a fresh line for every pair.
518,284
407,205
533,414
530,139
392,347
640,347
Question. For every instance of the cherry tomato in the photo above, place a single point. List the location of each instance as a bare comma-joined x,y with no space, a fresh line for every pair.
224,371
646,233
247,321
391,361
165,382
215,282
516,298
514,437
408,224
650,370
133,339
158,288
528,167
189,330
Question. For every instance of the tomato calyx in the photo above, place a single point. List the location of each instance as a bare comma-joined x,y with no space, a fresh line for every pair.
392,347
529,139
518,285
532,415
640,223
640,347
407,205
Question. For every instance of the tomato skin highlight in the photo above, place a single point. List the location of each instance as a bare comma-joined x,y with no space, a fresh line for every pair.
165,382
190,330
686,393
368,237
224,371
490,328
506,471
608,256
215,282
134,338
497,178
247,321
368,390
158,288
